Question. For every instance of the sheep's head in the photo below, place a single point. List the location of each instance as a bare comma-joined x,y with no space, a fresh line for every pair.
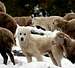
59,24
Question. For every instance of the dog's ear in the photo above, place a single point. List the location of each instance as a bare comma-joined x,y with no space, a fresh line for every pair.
18,25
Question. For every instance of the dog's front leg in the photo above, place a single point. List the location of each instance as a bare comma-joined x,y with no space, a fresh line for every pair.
38,56
57,54
52,58
29,58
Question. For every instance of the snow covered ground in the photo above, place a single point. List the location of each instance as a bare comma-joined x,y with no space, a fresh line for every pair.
21,62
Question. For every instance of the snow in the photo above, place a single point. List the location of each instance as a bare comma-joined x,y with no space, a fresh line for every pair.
21,62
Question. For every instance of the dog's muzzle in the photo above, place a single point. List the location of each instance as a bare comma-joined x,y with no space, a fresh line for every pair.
22,39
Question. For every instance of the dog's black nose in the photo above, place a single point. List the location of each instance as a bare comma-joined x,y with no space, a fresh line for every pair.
22,38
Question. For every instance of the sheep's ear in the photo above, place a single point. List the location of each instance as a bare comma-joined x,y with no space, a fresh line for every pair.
71,11
15,35
65,21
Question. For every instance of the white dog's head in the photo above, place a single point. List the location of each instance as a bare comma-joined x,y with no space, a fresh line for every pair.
21,32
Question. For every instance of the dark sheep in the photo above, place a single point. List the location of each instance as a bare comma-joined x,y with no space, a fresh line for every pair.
6,44
8,22
69,16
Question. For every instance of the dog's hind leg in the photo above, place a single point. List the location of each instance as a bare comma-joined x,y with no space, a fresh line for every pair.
11,56
5,57
52,58
57,54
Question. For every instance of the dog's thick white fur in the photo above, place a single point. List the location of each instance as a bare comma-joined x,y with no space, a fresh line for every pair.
36,45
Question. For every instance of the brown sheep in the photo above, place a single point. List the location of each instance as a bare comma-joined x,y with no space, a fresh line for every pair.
70,28
69,16
2,7
6,44
66,26
8,22
23,21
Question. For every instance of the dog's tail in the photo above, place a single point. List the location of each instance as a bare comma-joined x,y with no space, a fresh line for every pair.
67,40
64,35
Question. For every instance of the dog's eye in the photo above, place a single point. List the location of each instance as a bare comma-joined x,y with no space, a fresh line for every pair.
20,33
24,33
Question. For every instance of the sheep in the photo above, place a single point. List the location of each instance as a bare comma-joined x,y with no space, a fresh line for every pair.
35,45
41,21
8,22
68,27
6,44
2,7
23,21
69,16
71,25
47,22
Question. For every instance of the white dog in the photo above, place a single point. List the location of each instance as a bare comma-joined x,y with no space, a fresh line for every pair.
36,45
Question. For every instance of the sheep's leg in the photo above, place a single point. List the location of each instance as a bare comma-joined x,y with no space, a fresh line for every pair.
5,57
11,56
29,58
